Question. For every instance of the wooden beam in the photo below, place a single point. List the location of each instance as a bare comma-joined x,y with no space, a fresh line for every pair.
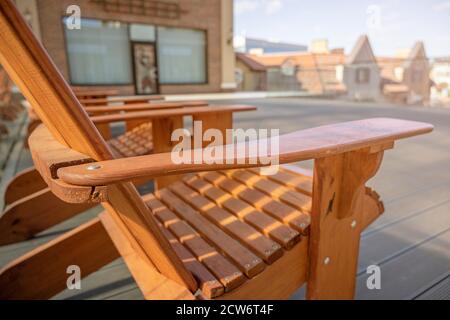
279,280
105,130
32,70
337,220
42,273
219,120
127,208
162,134
152,283
23,184
314,143
35,213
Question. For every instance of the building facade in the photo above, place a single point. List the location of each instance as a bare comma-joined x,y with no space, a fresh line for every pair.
440,75
361,73
406,77
140,46
251,45
315,73
250,74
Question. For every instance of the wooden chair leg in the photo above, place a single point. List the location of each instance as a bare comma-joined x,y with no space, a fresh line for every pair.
132,124
162,132
37,212
42,273
220,121
23,184
340,212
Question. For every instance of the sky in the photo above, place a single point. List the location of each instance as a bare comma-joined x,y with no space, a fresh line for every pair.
390,24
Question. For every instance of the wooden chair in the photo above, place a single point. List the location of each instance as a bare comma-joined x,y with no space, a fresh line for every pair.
94,93
27,197
221,234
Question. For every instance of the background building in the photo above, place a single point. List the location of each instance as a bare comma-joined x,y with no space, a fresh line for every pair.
138,46
361,72
250,74
440,76
252,45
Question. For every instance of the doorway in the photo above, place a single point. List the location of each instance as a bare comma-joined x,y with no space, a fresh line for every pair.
145,68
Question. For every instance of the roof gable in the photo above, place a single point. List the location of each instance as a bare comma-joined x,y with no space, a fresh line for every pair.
417,53
362,52
250,62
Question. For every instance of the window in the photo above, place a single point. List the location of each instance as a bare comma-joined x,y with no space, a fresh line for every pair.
99,53
362,75
288,68
142,32
181,56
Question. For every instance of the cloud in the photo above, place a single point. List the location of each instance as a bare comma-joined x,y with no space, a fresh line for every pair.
273,6
244,6
442,6
270,7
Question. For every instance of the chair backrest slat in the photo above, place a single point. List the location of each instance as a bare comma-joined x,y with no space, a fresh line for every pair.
30,67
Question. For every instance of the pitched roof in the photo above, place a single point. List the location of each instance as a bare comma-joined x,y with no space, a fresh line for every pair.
388,65
250,62
300,59
271,60
417,52
315,69
361,48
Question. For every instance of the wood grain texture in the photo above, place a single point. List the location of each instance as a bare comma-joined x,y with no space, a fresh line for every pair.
162,143
302,145
94,93
265,248
243,258
32,70
337,220
219,120
279,281
154,114
151,282
35,213
129,100
39,275
226,272
23,184
143,107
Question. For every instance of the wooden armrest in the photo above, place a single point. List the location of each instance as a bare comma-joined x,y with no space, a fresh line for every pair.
121,99
148,115
143,107
94,92
379,133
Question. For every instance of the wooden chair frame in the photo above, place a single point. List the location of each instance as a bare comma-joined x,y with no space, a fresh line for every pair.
27,196
346,156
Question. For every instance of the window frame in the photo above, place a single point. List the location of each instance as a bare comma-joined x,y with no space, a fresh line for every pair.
130,43
206,82
359,70
97,84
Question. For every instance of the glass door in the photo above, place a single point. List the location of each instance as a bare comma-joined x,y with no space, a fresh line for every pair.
145,68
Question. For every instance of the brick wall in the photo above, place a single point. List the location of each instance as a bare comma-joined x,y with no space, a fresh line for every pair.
198,14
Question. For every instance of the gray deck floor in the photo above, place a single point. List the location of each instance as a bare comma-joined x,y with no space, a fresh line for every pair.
410,242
